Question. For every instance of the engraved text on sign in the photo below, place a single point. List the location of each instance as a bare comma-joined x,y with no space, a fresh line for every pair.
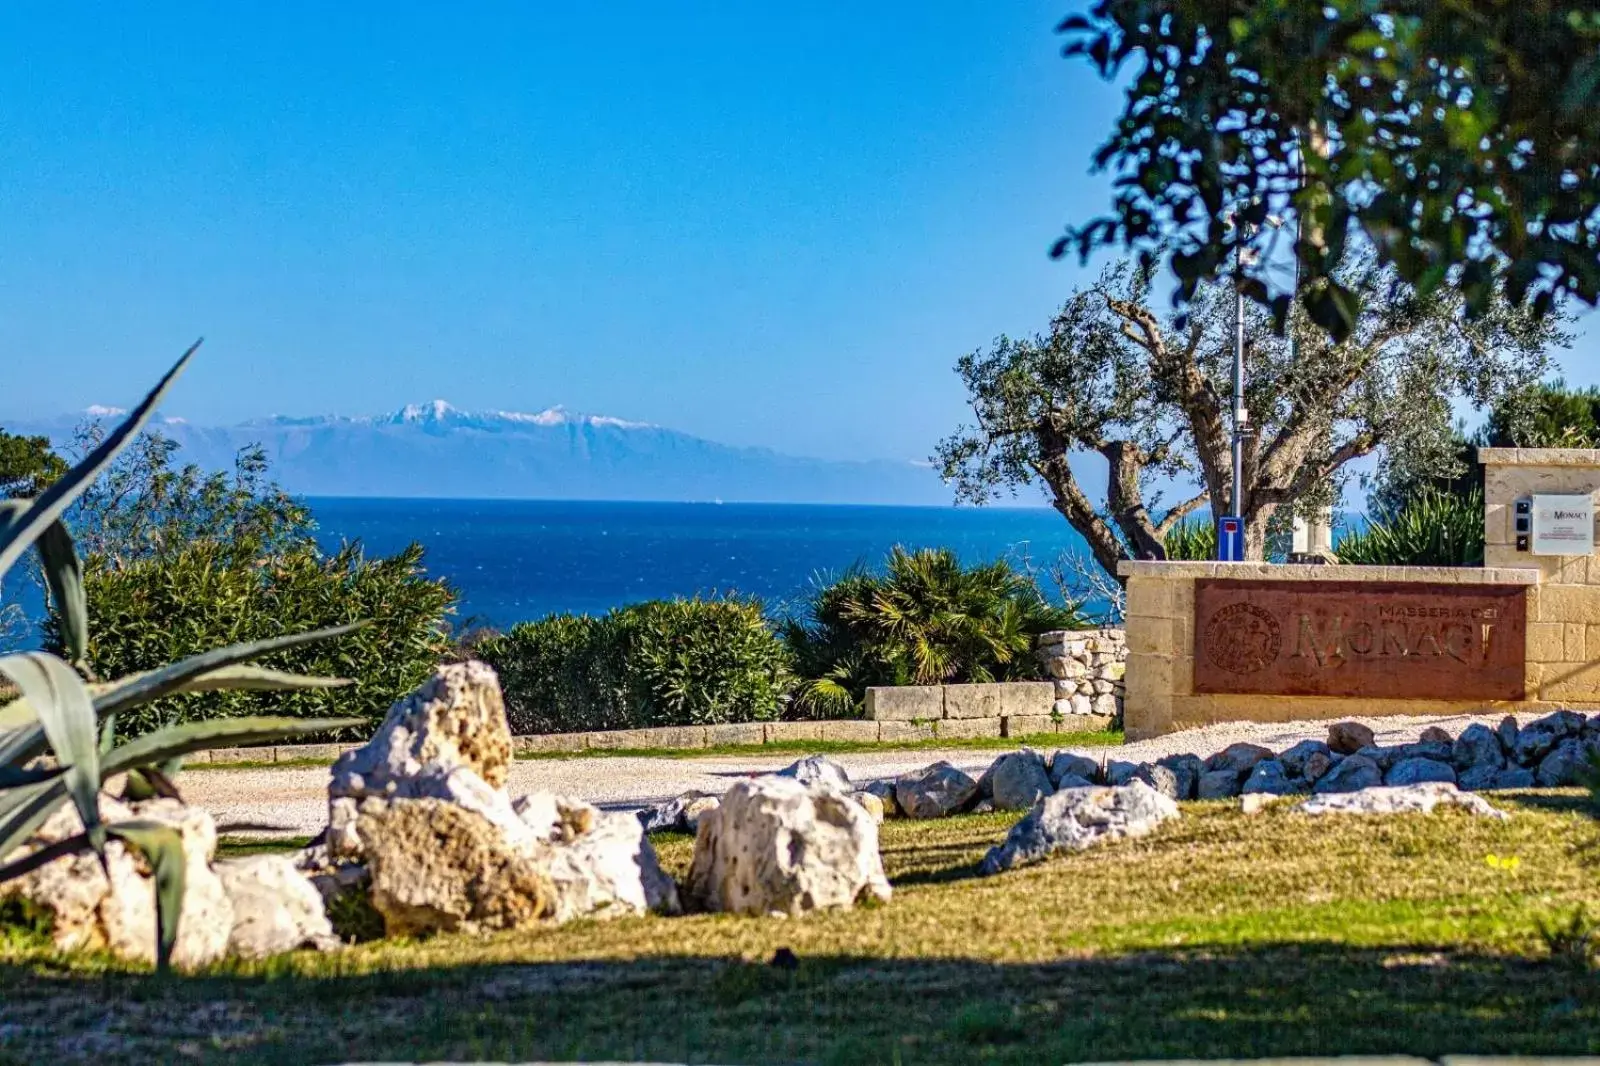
1355,638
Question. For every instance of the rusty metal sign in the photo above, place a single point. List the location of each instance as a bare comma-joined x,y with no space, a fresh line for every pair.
1357,638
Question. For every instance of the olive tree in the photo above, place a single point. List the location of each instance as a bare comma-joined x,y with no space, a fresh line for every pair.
1149,394
1459,139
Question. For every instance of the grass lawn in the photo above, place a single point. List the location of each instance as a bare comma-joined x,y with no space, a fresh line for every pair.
1220,935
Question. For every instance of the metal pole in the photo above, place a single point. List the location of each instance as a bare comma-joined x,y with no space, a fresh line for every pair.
1241,417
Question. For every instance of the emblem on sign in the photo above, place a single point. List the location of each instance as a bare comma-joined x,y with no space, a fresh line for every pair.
1243,638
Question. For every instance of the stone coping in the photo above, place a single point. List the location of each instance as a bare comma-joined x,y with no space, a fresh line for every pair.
852,730
1539,456
1443,575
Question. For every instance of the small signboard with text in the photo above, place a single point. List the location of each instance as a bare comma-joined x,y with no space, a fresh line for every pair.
1563,525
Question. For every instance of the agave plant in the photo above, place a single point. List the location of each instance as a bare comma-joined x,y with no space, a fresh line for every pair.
1433,529
63,714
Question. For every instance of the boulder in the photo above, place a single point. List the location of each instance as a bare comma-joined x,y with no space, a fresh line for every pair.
448,741
1120,771
1073,781
1405,799
934,791
1241,758
437,867
112,907
1514,777
1347,738
870,803
1567,764
1270,776
1078,819
1294,759
1317,764
1477,746
674,816
1161,778
1416,770
1217,784
1563,723
1385,757
1353,773
1507,732
884,790
1480,777
1536,739
818,769
1186,769
1436,735
599,863
276,908
1020,779
1424,749
1065,762
778,847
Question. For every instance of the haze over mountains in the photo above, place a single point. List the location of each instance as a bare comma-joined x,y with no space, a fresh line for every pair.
436,450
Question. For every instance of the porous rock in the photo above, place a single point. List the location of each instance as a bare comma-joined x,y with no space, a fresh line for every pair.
1403,799
276,908
1507,732
1077,819
884,790
1353,772
871,803
1161,778
1120,771
437,867
1347,738
934,791
775,846
113,907
1019,780
1436,735
600,864
678,815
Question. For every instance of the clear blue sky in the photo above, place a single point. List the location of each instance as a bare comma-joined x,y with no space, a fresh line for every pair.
764,225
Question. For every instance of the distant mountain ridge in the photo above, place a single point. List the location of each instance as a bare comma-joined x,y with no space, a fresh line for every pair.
436,450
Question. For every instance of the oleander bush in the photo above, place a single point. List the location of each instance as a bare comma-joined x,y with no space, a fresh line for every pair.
1431,528
177,560
661,662
925,620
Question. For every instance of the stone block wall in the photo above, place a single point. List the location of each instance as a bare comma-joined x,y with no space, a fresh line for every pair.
1088,668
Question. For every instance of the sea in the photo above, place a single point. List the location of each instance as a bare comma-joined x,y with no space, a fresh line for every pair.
515,560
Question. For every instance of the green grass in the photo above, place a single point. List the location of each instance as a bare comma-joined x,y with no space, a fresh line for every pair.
1220,935
1042,741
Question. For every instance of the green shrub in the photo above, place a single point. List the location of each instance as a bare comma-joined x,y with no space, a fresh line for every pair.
1431,529
180,602
662,662
926,620
1194,540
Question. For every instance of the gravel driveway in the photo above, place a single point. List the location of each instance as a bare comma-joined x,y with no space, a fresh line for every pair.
293,801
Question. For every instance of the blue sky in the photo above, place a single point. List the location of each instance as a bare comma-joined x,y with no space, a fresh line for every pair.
762,225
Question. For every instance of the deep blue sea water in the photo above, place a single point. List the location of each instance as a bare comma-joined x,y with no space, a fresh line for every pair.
514,560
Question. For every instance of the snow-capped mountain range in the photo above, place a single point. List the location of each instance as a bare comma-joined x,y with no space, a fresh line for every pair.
436,450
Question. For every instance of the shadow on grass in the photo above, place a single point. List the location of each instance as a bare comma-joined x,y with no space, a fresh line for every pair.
1275,1000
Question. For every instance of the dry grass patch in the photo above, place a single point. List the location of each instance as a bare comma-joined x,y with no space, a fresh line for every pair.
1219,935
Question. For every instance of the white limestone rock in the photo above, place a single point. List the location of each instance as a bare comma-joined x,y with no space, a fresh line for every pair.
775,846
276,908
1076,819
1399,799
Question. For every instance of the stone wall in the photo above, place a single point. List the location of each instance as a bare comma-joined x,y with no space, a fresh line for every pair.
1088,667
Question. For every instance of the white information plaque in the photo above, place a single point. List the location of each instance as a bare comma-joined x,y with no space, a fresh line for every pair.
1563,525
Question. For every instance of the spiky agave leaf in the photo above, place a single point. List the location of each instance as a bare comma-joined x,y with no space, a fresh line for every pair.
66,718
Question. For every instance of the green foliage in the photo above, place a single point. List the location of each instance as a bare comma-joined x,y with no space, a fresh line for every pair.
1431,529
27,465
925,620
178,560
58,714
1192,540
661,662
180,601
1459,140
1548,415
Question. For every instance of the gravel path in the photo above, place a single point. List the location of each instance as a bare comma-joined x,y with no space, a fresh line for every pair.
293,801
